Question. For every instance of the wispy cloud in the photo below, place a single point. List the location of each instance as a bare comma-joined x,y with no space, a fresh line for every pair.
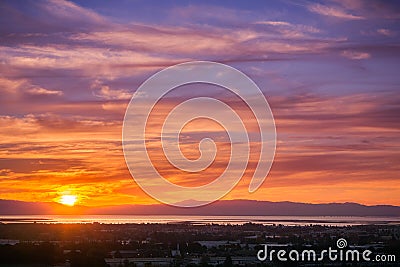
274,23
69,11
290,30
42,91
386,32
105,92
333,11
355,55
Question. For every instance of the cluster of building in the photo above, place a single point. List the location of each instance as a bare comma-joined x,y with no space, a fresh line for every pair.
187,244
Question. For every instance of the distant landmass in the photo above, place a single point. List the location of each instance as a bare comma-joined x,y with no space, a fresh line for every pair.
224,207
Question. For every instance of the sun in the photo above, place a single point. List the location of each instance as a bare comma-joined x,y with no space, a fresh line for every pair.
68,200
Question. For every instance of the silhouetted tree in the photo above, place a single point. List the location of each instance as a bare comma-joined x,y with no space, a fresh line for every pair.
228,261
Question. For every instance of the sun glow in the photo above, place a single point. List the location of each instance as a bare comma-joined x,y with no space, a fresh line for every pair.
68,200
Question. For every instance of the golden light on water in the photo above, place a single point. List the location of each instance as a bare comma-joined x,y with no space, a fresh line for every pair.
68,200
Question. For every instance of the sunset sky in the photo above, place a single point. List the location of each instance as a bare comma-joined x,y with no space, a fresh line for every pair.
329,70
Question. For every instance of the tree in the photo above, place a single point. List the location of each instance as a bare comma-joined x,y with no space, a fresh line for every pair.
228,261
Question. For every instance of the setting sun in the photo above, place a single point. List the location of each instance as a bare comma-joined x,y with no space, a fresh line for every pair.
68,200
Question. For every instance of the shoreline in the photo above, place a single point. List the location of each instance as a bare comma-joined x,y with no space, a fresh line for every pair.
201,220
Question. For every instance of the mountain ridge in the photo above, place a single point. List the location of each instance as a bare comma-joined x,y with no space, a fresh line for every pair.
238,207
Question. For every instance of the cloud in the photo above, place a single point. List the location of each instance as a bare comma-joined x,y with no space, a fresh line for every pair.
48,16
289,30
42,92
355,55
89,60
197,43
107,93
10,86
283,24
358,10
23,88
333,11
122,50
386,32
83,155
50,127
5,172
69,11
180,40
274,23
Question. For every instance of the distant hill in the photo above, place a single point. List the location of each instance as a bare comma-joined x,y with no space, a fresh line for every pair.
13,207
225,207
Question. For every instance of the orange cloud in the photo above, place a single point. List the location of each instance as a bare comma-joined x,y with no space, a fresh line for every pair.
85,157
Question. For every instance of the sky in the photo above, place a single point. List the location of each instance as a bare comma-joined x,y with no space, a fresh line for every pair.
329,70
